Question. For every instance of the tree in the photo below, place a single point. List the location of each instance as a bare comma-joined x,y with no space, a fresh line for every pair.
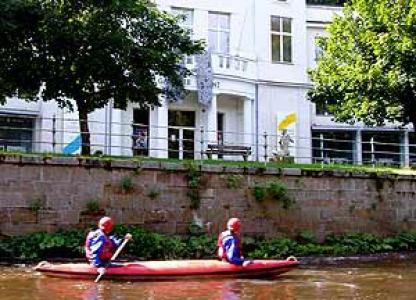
367,71
92,51
18,18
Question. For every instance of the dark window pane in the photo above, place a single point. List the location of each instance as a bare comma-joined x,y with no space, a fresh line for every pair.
287,49
275,48
287,25
333,146
275,24
381,147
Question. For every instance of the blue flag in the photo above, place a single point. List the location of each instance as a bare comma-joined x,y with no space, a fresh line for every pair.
73,146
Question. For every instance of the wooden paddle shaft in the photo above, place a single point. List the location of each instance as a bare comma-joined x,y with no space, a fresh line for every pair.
112,258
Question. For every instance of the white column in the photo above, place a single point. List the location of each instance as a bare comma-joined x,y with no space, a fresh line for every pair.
405,150
248,121
358,148
211,122
206,129
159,131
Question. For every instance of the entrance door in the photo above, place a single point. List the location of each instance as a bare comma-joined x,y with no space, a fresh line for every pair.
141,132
181,134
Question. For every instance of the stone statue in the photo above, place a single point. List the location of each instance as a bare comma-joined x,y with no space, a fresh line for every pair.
284,143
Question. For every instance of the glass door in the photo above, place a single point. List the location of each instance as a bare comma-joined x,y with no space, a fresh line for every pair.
181,134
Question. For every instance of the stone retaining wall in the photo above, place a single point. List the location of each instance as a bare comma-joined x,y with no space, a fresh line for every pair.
40,193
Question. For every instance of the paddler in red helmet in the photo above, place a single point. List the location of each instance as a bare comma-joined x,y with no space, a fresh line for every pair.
229,244
100,245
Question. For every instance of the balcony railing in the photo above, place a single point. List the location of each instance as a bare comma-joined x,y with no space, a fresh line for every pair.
226,64
327,2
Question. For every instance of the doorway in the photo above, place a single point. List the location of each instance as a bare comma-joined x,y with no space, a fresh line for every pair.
181,134
141,132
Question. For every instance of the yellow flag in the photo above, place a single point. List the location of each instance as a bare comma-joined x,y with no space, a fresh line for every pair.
291,118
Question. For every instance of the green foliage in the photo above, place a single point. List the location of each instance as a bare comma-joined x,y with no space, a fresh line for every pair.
306,237
153,192
195,229
193,175
92,206
367,70
126,184
37,204
273,189
197,245
352,206
17,20
93,51
232,180
259,191
41,245
278,192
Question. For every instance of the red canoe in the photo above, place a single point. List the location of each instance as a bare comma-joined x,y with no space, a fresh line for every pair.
174,269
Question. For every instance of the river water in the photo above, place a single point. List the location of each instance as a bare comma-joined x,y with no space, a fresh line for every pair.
348,281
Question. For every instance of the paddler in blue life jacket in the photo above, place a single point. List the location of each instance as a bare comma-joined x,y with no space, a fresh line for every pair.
229,244
100,245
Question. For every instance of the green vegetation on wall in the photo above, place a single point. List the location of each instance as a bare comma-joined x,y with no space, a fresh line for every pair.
126,184
92,206
274,190
194,175
232,180
153,192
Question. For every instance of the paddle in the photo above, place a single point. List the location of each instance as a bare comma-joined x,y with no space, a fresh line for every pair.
112,258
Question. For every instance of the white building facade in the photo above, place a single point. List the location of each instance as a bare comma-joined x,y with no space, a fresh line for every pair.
261,53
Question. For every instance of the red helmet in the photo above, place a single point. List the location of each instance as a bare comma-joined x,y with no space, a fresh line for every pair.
234,224
106,224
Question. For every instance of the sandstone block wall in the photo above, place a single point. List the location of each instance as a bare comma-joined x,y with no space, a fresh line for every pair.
41,193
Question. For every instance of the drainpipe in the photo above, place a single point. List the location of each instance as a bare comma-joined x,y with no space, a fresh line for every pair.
256,85
256,104
106,130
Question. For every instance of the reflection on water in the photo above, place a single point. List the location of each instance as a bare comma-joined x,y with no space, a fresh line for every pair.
55,289
389,281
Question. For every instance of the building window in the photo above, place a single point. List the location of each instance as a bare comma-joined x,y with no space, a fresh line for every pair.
187,20
336,147
318,52
16,133
219,32
281,39
381,148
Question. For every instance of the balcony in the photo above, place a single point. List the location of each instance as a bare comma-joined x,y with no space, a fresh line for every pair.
327,2
228,65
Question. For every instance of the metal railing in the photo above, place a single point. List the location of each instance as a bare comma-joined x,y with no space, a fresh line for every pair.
61,135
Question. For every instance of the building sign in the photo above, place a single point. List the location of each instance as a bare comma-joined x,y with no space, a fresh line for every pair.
187,82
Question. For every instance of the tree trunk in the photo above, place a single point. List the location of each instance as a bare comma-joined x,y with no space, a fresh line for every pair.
85,131
410,105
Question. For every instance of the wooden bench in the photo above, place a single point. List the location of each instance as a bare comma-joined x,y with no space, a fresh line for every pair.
221,150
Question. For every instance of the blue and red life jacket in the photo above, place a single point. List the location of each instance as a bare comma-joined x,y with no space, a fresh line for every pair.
107,250
221,249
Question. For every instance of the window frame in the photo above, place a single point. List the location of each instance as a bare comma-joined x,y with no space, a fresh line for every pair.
176,11
218,29
281,34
